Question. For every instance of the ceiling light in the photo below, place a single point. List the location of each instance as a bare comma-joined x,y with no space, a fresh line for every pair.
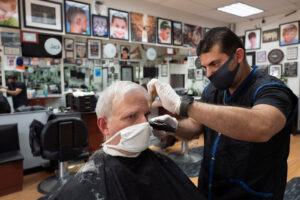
240,9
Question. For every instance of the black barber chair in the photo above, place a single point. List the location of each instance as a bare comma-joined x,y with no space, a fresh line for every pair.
62,139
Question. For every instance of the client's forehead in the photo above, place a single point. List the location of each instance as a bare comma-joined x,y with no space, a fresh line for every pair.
132,101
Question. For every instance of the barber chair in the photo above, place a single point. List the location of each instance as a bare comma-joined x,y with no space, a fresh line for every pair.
62,140
11,160
185,156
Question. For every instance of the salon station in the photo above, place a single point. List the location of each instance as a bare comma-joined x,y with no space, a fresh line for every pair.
58,56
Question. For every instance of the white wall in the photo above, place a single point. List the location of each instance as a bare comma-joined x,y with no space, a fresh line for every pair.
271,23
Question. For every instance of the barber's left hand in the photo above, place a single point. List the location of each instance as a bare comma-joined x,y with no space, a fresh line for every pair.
172,121
167,96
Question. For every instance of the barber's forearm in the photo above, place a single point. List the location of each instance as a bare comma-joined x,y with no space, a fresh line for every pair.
188,129
252,125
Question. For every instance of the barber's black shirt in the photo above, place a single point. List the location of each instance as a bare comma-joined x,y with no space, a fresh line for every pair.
20,99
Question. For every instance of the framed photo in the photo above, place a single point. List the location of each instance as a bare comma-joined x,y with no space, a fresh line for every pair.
270,35
77,17
43,15
261,56
192,35
29,37
10,18
94,49
191,73
125,52
69,44
126,73
100,26
69,54
252,39
290,69
199,74
118,24
289,33
10,39
164,70
143,27
292,53
275,70
250,57
16,51
80,48
191,61
177,33
164,31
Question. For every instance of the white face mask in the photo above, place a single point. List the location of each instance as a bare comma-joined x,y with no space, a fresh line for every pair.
134,139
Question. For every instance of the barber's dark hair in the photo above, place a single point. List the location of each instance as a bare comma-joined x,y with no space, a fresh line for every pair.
224,37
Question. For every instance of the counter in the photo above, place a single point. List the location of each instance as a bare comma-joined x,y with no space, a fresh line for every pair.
42,100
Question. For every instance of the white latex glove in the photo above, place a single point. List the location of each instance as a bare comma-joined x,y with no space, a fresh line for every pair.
3,90
172,121
167,96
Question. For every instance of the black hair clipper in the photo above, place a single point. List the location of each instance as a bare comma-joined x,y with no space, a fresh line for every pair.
162,126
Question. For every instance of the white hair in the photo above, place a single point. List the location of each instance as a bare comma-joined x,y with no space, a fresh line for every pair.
116,90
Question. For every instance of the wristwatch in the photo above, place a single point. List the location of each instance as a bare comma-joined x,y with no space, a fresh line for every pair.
184,105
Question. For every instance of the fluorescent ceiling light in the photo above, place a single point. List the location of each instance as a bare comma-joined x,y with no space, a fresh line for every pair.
240,9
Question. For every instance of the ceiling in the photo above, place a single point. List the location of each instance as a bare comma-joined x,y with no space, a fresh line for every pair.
208,8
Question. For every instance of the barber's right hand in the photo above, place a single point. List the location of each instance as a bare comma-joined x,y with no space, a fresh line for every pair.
172,121
167,96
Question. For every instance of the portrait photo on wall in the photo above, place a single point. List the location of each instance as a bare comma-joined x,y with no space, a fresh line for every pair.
270,35
118,24
100,26
69,44
164,31
192,35
252,39
100,8
80,48
94,49
275,70
261,56
177,33
125,52
43,15
143,27
77,18
10,14
289,33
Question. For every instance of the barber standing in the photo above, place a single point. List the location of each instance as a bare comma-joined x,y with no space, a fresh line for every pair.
246,116
17,90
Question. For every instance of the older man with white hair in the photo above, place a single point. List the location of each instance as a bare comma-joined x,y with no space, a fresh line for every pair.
125,168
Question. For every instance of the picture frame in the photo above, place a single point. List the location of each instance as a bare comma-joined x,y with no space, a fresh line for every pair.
14,20
250,57
142,28
46,15
10,39
164,70
261,56
16,51
199,74
80,11
124,52
252,39
177,33
69,44
94,49
291,53
126,73
271,35
192,35
291,69
100,26
275,70
69,54
29,37
191,73
80,49
191,61
118,18
289,33
164,31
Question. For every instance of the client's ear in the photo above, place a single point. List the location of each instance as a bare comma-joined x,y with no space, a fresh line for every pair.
102,124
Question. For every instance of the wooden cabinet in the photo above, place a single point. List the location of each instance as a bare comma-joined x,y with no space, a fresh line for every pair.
37,102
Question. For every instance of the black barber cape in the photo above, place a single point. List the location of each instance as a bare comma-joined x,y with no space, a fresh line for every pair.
148,176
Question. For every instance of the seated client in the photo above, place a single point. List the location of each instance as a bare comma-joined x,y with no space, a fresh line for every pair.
125,168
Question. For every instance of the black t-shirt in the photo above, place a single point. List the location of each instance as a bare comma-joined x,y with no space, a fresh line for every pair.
20,99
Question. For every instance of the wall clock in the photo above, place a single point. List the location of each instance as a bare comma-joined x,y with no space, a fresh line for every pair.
275,56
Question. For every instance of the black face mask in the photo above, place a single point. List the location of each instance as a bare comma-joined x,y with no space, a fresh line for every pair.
222,78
